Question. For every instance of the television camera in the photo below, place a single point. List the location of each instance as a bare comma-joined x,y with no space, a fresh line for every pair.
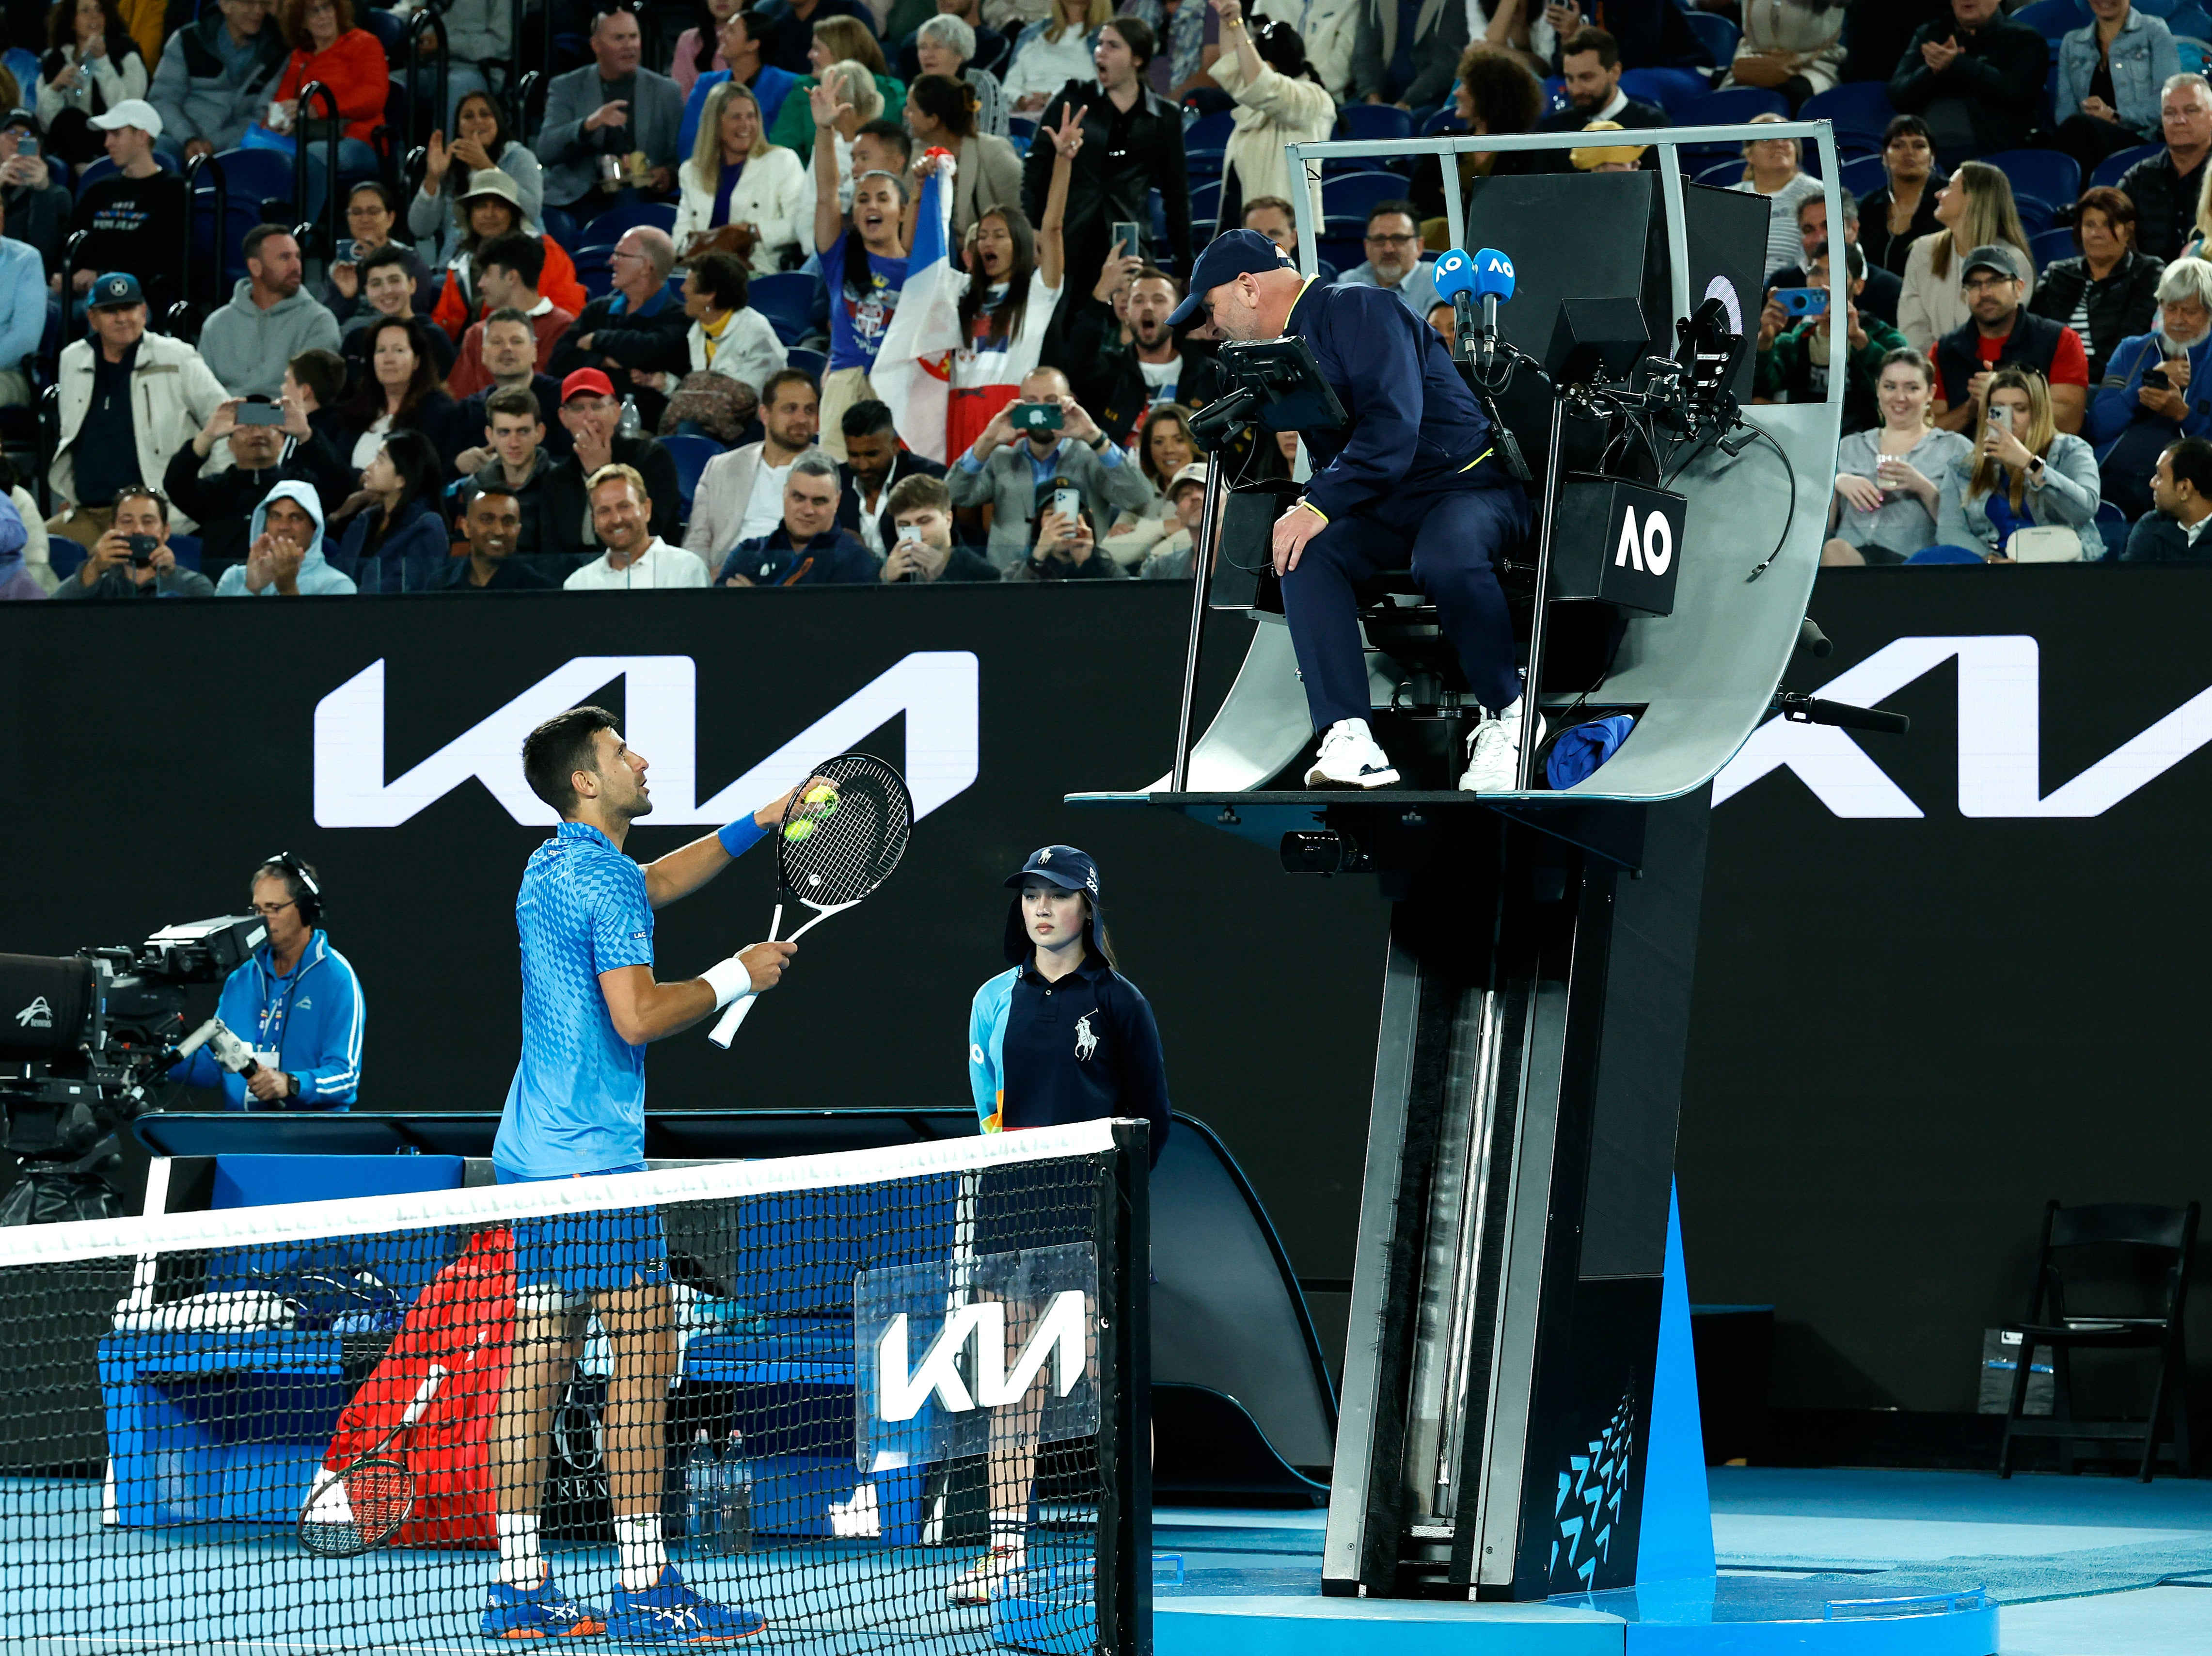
85,1041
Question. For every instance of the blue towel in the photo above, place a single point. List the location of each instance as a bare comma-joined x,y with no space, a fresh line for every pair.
1583,747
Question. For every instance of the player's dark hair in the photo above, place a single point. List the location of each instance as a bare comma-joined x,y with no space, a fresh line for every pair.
556,750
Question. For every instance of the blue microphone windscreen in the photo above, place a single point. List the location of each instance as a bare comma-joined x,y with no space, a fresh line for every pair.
1454,274
1493,275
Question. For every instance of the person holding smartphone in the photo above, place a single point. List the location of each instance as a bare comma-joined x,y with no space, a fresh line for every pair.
1042,441
133,559
1886,492
924,551
1066,544
2025,475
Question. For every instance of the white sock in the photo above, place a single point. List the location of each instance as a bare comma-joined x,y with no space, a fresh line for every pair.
637,1545
520,1563
1010,1535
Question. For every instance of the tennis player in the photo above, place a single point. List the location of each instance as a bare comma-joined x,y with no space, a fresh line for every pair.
590,1004
1062,1036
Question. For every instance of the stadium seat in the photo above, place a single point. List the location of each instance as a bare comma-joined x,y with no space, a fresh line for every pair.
2043,173
809,361
2054,19
96,170
257,175
787,299
2112,524
1210,132
1365,122
1555,94
2036,215
625,216
1204,203
557,223
1350,195
2114,167
1946,555
1717,35
388,28
2051,244
592,273
2189,20
1860,108
1730,108
1443,123
1720,175
1864,175
186,548
1675,90
691,454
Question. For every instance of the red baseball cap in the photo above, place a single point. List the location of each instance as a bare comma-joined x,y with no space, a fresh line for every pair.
586,378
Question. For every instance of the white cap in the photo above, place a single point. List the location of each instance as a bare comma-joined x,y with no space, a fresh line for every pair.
131,112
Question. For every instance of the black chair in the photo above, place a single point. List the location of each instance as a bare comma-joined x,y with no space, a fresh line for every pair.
2161,1238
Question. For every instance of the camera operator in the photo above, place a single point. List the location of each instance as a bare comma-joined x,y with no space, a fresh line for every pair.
296,1003
133,559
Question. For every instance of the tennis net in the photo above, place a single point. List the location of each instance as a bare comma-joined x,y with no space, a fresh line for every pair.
889,1400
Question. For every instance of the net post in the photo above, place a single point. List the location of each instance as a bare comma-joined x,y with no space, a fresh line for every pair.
1124,1581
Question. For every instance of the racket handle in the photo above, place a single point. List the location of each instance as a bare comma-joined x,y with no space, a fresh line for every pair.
725,1031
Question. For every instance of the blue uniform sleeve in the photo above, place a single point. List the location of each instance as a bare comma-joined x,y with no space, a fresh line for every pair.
1381,368
1144,1080
334,1077
621,918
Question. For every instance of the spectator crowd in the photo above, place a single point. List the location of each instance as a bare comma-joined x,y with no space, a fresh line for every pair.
645,328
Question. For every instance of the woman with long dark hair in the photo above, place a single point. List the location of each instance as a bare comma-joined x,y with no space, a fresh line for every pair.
941,114
91,64
395,537
1060,1037
1164,446
698,49
480,144
1262,66
1013,288
399,392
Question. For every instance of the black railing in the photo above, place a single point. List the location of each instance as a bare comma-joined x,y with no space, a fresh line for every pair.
432,16
333,212
180,313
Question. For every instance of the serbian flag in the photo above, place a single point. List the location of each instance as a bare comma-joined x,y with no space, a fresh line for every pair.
914,367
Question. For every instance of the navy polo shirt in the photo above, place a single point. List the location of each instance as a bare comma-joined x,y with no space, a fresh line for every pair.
1083,1049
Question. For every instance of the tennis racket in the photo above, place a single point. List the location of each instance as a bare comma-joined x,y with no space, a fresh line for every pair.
362,1506
842,836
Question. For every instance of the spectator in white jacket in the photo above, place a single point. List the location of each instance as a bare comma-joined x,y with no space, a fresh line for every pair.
1329,29
736,176
1051,53
1263,67
91,66
1794,47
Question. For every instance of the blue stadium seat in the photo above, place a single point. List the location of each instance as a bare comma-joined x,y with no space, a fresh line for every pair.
1674,90
1205,205
1946,555
1350,195
592,273
1555,94
2112,524
624,215
1209,132
1859,108
2053,19
1718,36
96,170
388,28
2036,215
691,454
787,299
257,175
2189,20
807,362
1444,122
1730,108
1720,173
2110,169
1374,122
2045,174
2051,244
1864,175
186,548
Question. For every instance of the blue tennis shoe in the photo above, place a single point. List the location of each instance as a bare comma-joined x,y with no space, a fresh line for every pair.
540,1612
670,1613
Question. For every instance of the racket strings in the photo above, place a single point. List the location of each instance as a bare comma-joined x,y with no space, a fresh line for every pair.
851,850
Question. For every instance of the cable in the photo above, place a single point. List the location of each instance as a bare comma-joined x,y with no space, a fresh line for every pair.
1788,471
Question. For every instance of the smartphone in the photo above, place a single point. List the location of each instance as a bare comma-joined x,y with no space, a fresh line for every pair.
1036,416
27,145
251,412
1068,502
1802,301
2158,378
141,550
349,253
1130,237
2000,417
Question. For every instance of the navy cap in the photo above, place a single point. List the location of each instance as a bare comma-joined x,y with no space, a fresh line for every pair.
1229,256
118,287
1058,865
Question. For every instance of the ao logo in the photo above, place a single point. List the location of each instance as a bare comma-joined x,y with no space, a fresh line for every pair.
1999,738
1651,550
1498,265
1059,1336
936,690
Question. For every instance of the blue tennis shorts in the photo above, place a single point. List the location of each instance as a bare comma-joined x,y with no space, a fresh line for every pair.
590,1253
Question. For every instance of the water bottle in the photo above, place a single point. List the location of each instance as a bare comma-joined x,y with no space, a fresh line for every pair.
629,425
734,1515
701,1475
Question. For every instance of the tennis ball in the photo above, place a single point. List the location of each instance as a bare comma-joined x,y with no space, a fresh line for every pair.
822,797
797,830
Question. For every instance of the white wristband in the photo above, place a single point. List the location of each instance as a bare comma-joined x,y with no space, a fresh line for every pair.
729,980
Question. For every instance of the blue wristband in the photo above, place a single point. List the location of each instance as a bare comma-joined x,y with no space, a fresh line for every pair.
739,836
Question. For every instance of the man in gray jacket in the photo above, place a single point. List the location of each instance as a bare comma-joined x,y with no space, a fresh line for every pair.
1416,74
611,108
1010,466
269,320
216,77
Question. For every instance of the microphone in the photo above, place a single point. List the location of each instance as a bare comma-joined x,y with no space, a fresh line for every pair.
1454,280
1493,284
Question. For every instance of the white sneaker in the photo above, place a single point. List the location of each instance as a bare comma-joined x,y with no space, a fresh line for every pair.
1350,757
977,1583
1493,752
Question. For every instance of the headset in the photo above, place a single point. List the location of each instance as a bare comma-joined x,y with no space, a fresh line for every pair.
307,893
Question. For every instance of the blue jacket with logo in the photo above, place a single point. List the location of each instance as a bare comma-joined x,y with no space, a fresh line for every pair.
1082,1049
313,1018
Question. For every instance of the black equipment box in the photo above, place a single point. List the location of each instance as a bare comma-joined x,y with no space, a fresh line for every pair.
1617,541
